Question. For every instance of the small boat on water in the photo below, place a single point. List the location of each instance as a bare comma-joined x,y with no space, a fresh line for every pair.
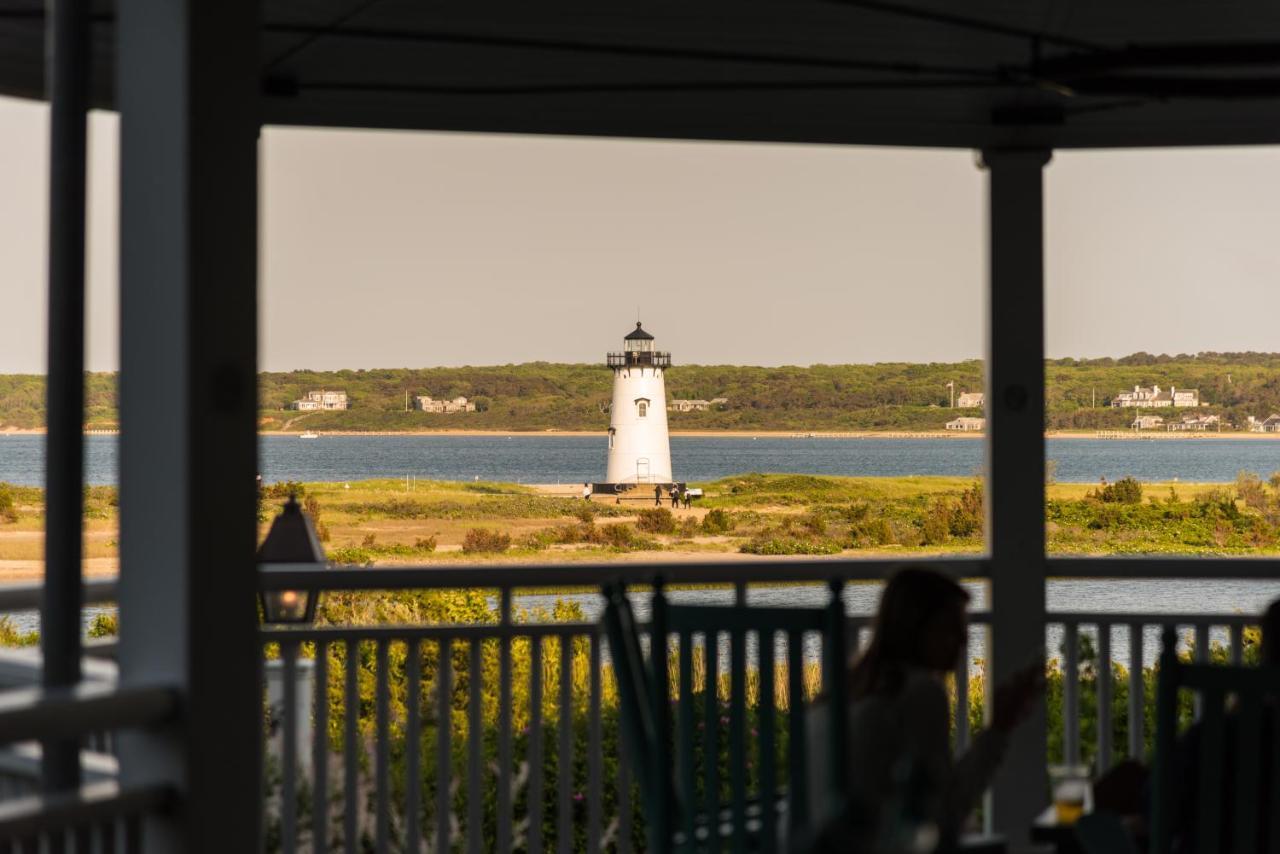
309,435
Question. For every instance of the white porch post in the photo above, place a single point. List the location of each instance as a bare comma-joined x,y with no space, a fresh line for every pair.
1016,463
188,95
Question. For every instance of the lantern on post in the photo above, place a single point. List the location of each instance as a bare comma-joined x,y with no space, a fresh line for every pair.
291,540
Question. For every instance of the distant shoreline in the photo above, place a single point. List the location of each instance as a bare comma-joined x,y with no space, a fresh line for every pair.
741,434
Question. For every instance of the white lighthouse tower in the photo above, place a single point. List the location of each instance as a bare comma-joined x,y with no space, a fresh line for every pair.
639,447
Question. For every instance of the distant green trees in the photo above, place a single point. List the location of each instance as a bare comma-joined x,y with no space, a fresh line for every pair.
554,396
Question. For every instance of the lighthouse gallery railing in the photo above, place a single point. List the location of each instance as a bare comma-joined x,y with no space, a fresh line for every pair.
639,359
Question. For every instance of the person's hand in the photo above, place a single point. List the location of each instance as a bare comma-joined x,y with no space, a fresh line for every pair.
1017,695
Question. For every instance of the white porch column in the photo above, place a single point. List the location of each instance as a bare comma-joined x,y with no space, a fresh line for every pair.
188,95
1016,463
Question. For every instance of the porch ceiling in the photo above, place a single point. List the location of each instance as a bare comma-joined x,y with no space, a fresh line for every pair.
824,71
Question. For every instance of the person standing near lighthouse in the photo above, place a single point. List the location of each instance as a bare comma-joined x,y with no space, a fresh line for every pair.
639,445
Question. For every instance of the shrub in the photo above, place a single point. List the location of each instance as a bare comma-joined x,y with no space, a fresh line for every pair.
369,541
1250,490
1217,504
585,512
352,555
617,535
482,540
656,520
935,527
11,635
783,545
967,518
425,544
854,513
8,508
1104,518
870,532
539,540
399,508
906,534
584,532
717,521
104,626
283,489
688,528
1126,490
814,524
311,506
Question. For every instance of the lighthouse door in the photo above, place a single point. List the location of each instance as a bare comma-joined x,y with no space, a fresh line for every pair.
642,470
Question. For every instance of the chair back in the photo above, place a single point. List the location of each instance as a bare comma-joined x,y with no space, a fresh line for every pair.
1231,757
638,700
705,798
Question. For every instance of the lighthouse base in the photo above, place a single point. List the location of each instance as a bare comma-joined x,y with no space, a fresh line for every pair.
635,490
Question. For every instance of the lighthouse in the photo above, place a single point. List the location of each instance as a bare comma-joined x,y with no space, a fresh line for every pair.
639,447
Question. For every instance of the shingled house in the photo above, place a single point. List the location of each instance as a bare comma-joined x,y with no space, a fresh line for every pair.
1156,397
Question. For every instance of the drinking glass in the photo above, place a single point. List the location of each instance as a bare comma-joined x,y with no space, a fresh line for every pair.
1071,792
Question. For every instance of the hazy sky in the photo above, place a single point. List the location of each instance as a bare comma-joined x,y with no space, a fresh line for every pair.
413,250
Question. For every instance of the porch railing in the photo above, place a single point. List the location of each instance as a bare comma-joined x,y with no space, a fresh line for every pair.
101,814
561,781
339,781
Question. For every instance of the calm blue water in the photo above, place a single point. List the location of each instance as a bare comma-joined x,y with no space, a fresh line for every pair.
569,459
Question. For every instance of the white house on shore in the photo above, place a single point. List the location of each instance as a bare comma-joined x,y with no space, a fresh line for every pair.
323,399
1196,424
967,424
1270,424
679,404
1147,422
1155,397
426,403
970,400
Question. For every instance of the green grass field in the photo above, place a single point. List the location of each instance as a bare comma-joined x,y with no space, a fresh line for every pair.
382,522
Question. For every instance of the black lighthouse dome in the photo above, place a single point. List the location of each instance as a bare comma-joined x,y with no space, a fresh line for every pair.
637,350
638,334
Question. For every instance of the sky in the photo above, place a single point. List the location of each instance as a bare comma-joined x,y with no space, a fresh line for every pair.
382,249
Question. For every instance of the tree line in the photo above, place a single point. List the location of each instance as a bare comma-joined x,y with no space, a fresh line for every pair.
546,396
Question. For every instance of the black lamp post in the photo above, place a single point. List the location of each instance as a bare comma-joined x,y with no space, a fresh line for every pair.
291,540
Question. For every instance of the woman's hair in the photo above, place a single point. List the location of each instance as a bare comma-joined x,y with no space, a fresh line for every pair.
1271,635
911,600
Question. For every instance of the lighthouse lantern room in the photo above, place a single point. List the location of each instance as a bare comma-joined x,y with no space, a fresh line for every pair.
639,446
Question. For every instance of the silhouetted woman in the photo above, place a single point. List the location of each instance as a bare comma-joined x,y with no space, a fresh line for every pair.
899,713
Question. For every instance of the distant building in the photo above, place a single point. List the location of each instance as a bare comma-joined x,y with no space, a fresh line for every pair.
967,424
425,403
1270,424
322,399
970,400
1196,423
1147,422
681,405
1156,397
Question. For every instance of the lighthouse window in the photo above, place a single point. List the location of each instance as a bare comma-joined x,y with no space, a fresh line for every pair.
611,435
642,408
